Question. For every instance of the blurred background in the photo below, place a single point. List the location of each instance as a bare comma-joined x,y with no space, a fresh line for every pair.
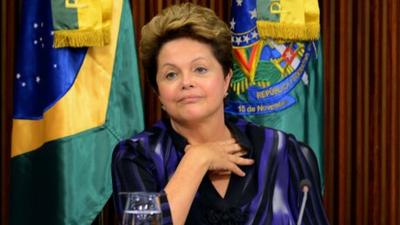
361,56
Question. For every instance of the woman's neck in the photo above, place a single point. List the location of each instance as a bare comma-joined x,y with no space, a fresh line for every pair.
210,130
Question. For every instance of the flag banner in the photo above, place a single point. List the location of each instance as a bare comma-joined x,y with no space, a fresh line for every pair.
81,23
276,83
288,20
71,107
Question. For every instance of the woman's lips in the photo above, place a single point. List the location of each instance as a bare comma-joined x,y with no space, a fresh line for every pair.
189,99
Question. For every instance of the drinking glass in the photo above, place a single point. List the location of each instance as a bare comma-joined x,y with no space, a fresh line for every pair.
142,208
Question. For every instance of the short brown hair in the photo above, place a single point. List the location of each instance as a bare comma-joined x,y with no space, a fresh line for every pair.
185,20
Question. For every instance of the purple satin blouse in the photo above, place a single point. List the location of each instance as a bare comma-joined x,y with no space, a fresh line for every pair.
268,194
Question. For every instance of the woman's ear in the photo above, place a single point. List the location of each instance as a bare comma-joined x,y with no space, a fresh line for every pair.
228,79
161,103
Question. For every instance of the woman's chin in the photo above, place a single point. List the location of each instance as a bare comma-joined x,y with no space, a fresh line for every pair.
191,116
195,113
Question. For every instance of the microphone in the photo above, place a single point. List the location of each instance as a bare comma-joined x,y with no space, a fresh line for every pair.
305,186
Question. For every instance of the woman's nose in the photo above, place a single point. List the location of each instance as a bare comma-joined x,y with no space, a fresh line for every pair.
187,81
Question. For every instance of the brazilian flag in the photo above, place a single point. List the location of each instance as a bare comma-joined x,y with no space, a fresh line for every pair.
71,106
277,73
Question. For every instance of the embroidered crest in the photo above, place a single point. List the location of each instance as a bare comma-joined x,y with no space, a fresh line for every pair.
277,71
264,71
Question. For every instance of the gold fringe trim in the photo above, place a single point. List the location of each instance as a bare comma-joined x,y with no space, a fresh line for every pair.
241,86
293,32
78,38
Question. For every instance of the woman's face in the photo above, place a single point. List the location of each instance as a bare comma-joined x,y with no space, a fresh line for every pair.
190,81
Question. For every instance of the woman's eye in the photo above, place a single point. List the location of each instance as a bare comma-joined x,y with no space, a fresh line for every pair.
170,75
201,70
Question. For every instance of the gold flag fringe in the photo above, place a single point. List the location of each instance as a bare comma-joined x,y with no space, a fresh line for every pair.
241,86
79,38
294,32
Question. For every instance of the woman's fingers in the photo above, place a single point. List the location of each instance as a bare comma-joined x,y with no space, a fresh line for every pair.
224,161
240,153
225,155
236,170
232,148
238,160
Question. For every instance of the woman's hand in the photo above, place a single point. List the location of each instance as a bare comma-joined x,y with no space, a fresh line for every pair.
221,156
217,157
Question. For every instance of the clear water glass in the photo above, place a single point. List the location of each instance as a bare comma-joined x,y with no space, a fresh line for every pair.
142,208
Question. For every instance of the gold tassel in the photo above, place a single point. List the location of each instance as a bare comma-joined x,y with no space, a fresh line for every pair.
77,38
294,32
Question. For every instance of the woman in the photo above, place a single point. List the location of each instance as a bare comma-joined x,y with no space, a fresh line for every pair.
210,169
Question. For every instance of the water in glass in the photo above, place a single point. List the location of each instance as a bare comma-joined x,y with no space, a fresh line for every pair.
142,209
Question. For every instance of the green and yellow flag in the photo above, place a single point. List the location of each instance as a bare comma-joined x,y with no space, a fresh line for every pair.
277,73
80,23
71,106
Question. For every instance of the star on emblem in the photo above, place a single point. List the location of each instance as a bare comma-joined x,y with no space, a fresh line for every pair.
246,38
239,2
233,23
253,14
254,34
238,40
288,55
